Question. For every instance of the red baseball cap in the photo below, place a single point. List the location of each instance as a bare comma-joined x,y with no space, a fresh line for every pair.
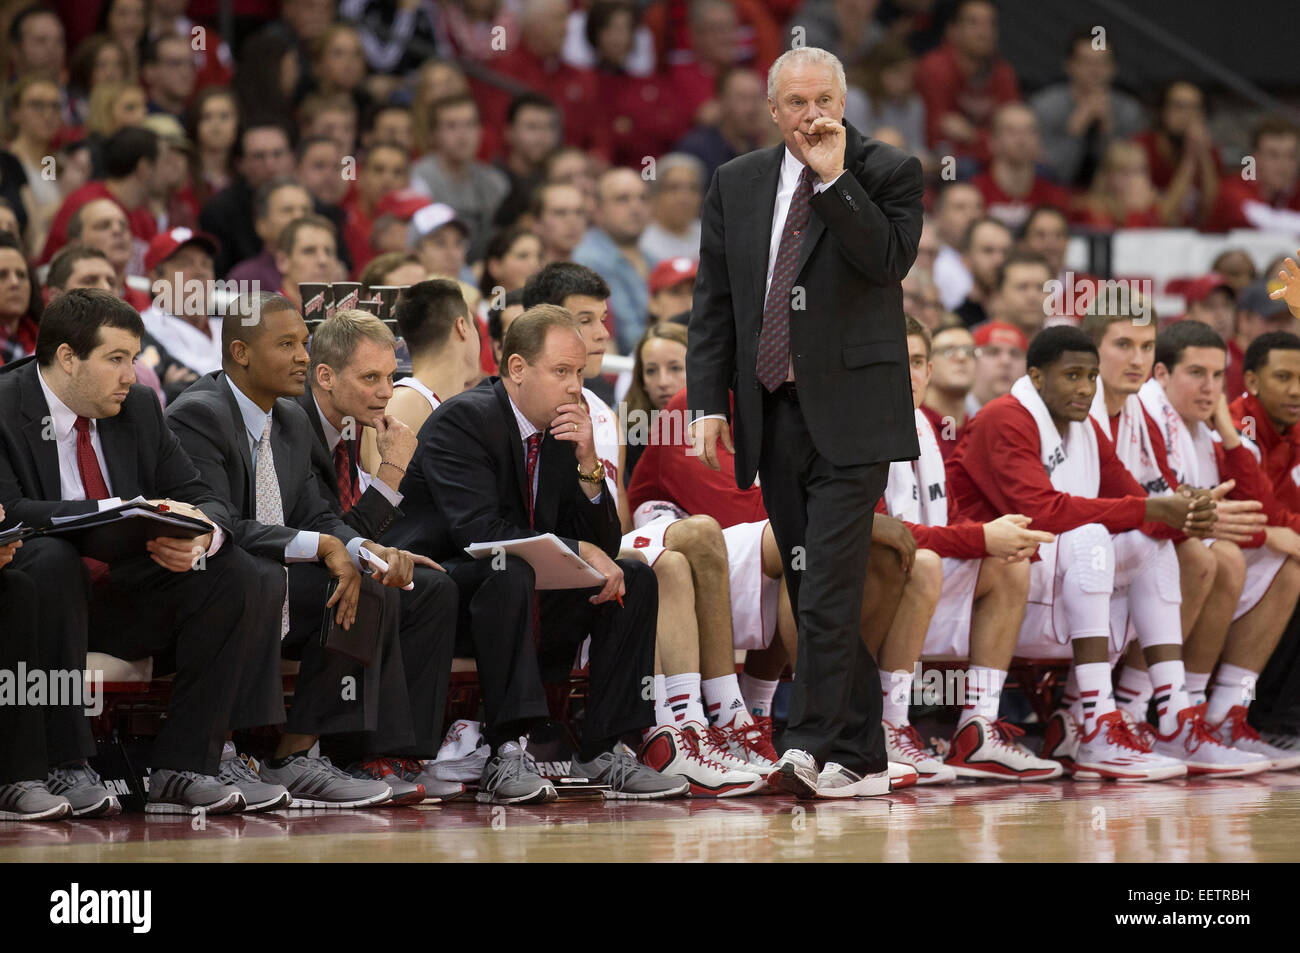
672,271
1000,332
1203,287
168,243
402,204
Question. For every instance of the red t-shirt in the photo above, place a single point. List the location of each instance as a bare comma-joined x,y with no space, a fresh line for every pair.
997,468
1279,456
947,89
1234,192
143,225
667,472
1014,210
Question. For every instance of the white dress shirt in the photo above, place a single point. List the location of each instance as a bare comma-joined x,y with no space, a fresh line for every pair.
304,546
71,489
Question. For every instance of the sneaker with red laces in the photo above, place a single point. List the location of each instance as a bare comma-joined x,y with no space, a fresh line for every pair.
904,745
1200,749
1235,732
670,750
713,746
422,773
988,749
1113,752
745,740
1061,738
389,771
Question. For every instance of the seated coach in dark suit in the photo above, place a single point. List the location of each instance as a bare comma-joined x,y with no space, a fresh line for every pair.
353,359
514,458
253,447
78,436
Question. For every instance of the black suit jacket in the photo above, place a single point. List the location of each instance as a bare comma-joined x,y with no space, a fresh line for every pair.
207,421
142,456
848,343
466,483
373,514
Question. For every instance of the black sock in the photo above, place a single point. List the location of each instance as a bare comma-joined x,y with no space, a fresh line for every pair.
281,762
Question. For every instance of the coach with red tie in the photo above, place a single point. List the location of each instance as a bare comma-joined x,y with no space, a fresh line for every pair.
798,311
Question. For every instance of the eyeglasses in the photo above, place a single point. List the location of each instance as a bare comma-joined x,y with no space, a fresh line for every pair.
997,352
955,350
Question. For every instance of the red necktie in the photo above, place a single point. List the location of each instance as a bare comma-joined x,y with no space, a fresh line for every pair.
534,450
92,481
349,492
773,365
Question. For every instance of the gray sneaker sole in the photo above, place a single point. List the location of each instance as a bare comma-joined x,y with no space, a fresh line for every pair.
301,804
544,794
681,790
274,804
108,807
787,780
56,812
230,804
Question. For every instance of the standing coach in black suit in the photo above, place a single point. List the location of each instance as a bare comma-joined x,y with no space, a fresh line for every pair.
798,311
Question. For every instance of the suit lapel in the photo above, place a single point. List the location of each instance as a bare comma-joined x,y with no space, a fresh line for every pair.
118,438
763,187
516,443
282,450
241,441
38,429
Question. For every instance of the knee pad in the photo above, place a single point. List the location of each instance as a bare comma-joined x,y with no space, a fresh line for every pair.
1087,553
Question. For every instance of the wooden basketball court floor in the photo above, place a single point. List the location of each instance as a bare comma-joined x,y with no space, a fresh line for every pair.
1248,819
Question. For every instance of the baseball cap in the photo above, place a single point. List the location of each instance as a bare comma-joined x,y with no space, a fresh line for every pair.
1255,298
402,204
168,243
1000,332
1203,287
432,217
672,271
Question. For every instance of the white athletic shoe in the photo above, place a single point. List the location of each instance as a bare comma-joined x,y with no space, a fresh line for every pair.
670,750
463,754
837,781
902,775
796,773
903,744
1113,752
989,750
1201,750
1061,738
1236,732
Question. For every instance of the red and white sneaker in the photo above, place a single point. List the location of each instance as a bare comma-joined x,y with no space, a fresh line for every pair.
1113,752
904,745
1236,732
746,740
1061,738
901,776
1200,749
670,750
988,749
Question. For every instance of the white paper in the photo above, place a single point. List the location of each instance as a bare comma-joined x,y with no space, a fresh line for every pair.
555,565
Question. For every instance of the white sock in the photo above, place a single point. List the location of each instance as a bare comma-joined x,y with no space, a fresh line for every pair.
895,696
1197,683
1070,697
758,693
1233,685
722,699
1133,693
683,695
1095,695
1169,688
983,693
663,714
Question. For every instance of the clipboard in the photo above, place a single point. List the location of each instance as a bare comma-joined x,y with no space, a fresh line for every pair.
555,565
115,535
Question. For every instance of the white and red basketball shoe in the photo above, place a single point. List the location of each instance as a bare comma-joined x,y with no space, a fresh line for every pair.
1113,752
1200,749
669,750
747,741
904,745
989,750
1236,732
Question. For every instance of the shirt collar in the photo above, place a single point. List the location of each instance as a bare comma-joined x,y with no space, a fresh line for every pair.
63,417
255,417
332,434
526,428
791,167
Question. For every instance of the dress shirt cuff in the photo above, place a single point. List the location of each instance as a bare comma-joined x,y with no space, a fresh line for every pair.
354,550
218,537
707,417
302,548
820,187
387,492
109,503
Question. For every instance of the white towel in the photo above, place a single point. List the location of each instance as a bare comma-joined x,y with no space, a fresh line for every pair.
1190,450
917,491
1132,441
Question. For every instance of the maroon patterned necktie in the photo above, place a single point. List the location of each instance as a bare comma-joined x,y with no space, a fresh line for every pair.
534,449
349,492
774,341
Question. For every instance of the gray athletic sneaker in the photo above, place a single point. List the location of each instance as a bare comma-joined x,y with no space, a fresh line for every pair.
188,792
31,801
628,778
84,790
510,778
314,782
258,795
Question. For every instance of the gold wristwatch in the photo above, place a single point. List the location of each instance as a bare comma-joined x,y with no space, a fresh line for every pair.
595,476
